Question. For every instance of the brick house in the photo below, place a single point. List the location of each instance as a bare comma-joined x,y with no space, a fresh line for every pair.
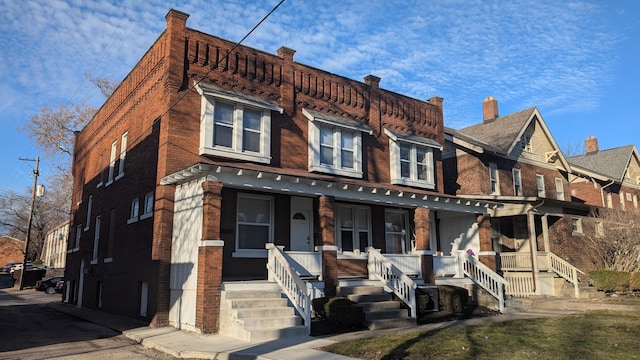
213,164
515,160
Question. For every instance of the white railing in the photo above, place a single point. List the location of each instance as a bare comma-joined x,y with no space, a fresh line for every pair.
305,263
484,276
299,292
521,261
407,263
447,266
393,278
565,270
520,284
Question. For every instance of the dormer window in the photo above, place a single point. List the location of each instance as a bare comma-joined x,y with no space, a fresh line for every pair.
234,125
335,144
411,160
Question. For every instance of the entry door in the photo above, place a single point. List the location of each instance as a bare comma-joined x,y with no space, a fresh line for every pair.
301,218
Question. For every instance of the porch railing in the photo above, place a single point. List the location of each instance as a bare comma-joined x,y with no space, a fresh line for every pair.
407,263
520,284
393,278
521,261
566,271
484,276
299,292
305,263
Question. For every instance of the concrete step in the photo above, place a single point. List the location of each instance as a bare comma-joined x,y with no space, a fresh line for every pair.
244,313
362,298
258,303
386,314
247,294
359,290
271,322
391,323
266,334
380,305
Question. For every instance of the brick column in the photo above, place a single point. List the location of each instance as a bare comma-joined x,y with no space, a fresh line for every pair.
423,248
328,247
161,250
210,253
487,254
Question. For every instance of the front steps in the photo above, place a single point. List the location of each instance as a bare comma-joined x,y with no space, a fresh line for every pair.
381,311
257,311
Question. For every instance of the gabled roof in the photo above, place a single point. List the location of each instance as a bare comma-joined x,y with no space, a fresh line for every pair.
611,163
502,133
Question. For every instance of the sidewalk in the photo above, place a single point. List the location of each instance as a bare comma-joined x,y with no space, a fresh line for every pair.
188,345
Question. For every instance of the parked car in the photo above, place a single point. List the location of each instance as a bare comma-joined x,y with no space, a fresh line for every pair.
51,285
7,268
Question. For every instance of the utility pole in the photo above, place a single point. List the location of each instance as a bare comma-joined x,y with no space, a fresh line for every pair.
33,200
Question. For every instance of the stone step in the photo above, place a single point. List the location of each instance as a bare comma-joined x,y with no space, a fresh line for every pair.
390,323
258,294
366,289
369,297
271,322
244,313
258,303
266,334
380,305
386,314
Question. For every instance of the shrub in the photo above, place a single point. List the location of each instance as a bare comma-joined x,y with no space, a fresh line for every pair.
610,281
452,298
634,281
344,313
318,307
424,302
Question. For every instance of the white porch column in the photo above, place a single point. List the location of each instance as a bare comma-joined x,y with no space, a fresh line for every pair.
545,233
533,245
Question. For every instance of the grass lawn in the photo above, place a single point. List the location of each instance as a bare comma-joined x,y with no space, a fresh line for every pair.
590,335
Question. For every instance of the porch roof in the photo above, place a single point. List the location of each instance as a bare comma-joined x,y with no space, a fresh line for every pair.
341,189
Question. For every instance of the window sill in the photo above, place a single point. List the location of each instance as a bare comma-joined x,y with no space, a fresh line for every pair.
146,216
414,183
99,184
576,233
107,260
93,262
253,253
108,183
228,153
335,171
132,220
71,251
120,176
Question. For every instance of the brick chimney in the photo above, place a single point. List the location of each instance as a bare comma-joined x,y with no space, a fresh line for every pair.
489,109
372,81
591,145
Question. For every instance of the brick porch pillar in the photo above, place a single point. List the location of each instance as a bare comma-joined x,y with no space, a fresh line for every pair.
423,248
210,260
328,247
487,254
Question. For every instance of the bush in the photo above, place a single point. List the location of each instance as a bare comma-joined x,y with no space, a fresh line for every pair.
318,307
452,298
344,313
634,281
424,302
610,281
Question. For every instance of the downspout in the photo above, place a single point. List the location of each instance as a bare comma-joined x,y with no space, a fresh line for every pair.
602,192
533,239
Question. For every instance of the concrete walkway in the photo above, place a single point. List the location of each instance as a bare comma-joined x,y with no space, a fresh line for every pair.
188,345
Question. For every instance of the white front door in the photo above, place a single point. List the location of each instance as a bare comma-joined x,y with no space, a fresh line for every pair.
301,224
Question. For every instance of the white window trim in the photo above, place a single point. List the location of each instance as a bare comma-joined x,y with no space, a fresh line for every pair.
123,155
395,162
112,163
96,240
407,246
628,195
338,125
89,205
517,185
134,215
354,228
210,94
578,230
540,191
559,189
147,213
253,253
493,167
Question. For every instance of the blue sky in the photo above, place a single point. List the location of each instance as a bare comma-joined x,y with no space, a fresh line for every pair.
577,61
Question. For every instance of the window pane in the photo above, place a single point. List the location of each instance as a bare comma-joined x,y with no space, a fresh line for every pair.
394,243
347,140
223,135
253,210
326,155
347,159
394,221
364,241
347,240
422,154
223,113
252,236
346,217
363,219
405,152
405,169
423,172
251,141
326,136
251,119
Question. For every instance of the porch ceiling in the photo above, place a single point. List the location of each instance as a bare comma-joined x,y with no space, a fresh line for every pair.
297,185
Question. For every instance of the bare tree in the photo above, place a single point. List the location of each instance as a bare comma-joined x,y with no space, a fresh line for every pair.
615,238
573,148
106,85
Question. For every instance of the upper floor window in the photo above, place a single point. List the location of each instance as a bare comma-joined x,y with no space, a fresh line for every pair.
559,189
335,144
609,200
89,205
135,210
540,185
235,125
517,183
112,162
576,225
411,160
123,154
493,178
147,211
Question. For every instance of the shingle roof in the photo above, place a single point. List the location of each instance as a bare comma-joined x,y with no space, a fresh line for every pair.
502,132
611,162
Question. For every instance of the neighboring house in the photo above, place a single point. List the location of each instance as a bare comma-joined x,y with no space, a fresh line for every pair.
210,159
54,249
606,178
515,160
11,250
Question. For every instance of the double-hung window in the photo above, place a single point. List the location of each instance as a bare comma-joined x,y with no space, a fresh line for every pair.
494,179
147,211
396,234
335,144
353,228
517,182
540,185
135,210
254,226
123,154
559,189
411,160
112,162
235,125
